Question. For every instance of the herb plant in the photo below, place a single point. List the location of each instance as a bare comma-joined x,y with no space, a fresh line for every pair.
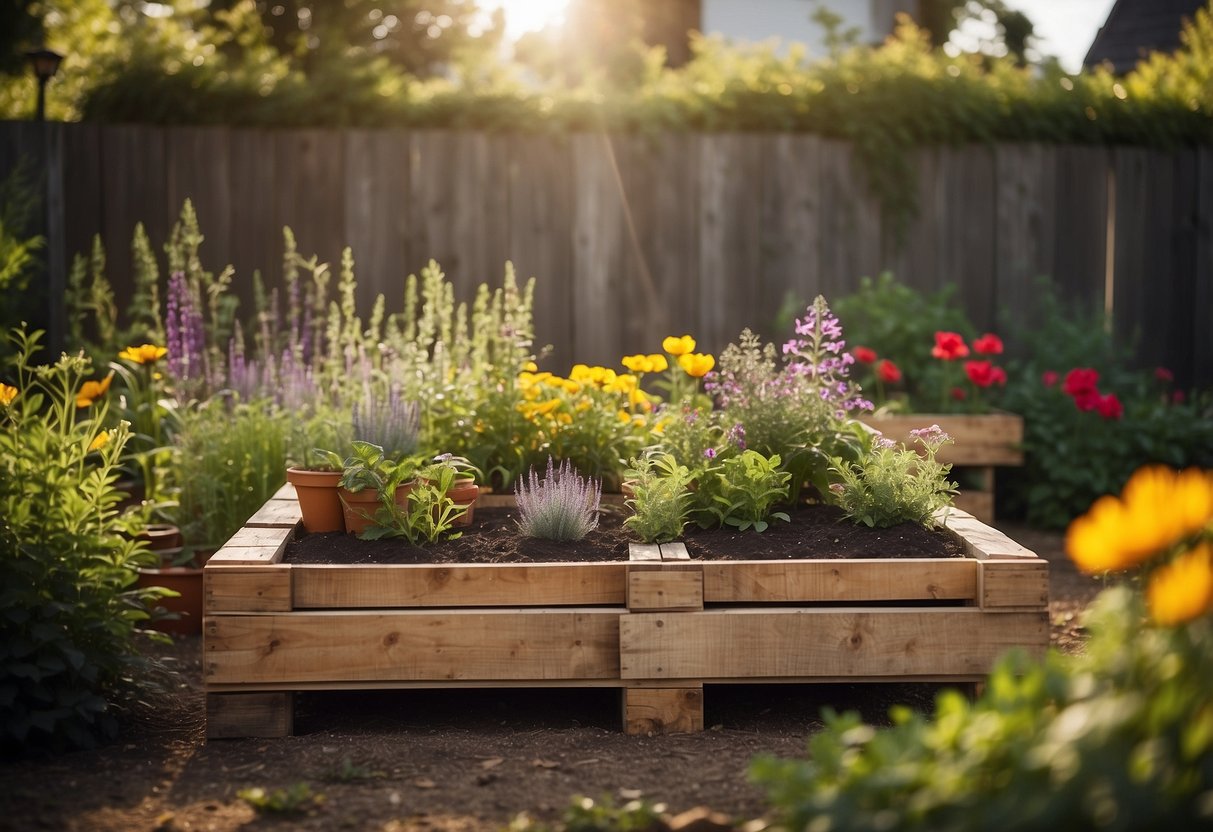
748,487
661,498
562,506
894,484
387,421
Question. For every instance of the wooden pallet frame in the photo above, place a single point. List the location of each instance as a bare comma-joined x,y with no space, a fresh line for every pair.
981,442
658,627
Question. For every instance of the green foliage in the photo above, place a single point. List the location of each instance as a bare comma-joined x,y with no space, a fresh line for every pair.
19,247
294,799
894,484
1118,738
428,512
1072,457
899,322
585,814
230,458
661,498
562,506
68,606
748,487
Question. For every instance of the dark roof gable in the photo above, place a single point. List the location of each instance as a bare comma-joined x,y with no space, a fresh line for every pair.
1135,28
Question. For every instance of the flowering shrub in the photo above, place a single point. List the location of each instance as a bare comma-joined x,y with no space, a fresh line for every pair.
562,506
1118,737
893,484
941,387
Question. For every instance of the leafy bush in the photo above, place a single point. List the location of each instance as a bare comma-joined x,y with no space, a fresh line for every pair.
563,506
68,606
1118,738
894,484
661,498
747,487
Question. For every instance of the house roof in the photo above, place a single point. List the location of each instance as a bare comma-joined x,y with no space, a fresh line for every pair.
1135,28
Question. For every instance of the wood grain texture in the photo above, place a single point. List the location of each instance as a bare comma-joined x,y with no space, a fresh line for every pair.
807,643
1020,582
902,579
255,545
447,645
665,589
644,552
276,514
675,552
979,540
655,711
483,585
234,715
233,588
286,492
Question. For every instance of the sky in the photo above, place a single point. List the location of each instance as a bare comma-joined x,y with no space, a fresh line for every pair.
1064,28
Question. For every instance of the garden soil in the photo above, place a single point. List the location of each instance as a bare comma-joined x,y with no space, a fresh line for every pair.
426,760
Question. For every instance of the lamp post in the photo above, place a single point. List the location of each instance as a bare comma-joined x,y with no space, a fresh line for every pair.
46,64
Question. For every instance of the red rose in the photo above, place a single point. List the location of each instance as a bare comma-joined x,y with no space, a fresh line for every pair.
1087,400
1178,397
864,355
1109,406
1048,378
888,372
949,346
1163,374
983,373
988,344
959,394
1080,381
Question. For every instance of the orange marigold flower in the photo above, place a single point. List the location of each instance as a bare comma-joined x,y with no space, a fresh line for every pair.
1182,589
144,354
696,364
90,391
7,394
678,345
1158,507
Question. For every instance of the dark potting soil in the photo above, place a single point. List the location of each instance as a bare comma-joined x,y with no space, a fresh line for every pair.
814,532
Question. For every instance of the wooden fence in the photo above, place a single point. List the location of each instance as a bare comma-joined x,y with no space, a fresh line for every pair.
636,237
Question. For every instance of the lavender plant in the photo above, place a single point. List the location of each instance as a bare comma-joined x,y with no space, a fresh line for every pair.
387,421
562,506
892,484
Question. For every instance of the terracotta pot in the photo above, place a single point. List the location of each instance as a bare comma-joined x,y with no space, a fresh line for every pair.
359,507
161,537
464,492
318,500
188,607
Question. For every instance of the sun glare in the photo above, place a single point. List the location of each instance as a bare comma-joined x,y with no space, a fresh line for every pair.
523,16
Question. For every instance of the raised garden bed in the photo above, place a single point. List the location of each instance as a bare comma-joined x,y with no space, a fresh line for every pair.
658,626
981,442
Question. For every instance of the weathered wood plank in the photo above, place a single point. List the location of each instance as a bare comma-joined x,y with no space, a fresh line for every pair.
424,585
1081,253
449,645
234,715
198,168
230,588
644,552
132,182
918,579
651,711
676,552
376,193
255,546
981,541
310,187
1202,291
255,537
286,492
1014,583
665,589
791,222
275,513
1025,243
806,643
598,240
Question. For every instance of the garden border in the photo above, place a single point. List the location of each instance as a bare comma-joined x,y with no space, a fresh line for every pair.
658,626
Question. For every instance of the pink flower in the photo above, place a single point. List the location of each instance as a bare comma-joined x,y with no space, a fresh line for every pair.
1109,406
888,372
1048,378
949,346
988,344
1080,381
864,355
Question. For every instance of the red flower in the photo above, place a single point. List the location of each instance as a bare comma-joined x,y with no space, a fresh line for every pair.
1087,400
1080,381
983,373
1109,406
1163,374
888,371
1048,378
864,355
1177,397
988,344
949,346
959,394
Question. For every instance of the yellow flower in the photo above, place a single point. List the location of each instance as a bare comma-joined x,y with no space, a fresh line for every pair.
580,372
1182,589
1158,507
625,383
659,427
696,364
678,346
99,441
639,397
623,416
145,354
7,394
583,404
530,367
571,387
564,418
90,391
654,363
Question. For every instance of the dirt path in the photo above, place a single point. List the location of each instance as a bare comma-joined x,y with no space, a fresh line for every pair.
468,760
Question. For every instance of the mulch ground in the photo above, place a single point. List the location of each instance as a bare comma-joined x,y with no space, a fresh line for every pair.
430,760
